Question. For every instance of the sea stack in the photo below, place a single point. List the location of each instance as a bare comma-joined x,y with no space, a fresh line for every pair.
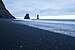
37,16
27,16
4,13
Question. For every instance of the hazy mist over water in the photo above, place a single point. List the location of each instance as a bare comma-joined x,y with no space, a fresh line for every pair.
51,17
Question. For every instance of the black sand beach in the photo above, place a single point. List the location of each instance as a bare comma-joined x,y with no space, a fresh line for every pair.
21,37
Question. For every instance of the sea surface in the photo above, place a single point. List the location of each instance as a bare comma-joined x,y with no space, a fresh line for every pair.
62,26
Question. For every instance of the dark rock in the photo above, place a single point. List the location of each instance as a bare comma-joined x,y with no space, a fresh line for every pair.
27,16
37,16
4,13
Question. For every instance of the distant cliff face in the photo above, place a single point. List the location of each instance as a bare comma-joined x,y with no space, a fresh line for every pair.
4,13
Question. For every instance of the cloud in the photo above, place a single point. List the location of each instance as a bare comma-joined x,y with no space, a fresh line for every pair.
42,7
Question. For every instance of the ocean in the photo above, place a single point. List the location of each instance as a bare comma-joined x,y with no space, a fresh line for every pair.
62,26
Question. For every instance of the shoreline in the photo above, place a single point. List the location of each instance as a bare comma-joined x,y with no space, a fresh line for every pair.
21,37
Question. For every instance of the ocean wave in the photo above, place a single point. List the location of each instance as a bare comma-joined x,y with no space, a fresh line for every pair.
63,27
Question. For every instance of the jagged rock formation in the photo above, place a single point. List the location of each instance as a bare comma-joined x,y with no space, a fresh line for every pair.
27,16
37,16
4,13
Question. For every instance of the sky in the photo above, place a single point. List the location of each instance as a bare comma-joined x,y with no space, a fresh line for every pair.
42,7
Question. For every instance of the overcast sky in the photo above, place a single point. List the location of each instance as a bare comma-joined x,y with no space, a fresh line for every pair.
42,7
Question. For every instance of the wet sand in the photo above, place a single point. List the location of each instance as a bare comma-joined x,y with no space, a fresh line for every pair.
22,37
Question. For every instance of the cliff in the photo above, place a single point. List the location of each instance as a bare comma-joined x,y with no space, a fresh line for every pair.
4,13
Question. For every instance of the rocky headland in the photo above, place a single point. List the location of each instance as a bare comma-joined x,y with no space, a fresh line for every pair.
4,13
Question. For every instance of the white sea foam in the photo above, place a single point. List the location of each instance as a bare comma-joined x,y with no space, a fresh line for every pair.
63,27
